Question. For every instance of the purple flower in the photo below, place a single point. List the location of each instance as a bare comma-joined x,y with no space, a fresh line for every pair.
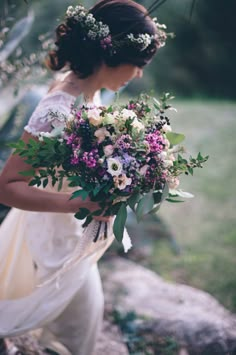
156,141
90,158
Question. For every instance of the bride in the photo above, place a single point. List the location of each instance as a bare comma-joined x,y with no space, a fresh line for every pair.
43,282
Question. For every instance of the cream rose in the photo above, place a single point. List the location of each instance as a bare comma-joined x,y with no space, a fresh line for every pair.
94,116
137,124
125,114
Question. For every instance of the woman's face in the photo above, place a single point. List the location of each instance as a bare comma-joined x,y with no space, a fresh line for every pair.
117,77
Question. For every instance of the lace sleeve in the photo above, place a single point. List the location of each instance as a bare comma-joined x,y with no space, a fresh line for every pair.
42,120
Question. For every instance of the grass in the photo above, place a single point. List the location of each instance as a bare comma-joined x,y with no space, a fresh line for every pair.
205,227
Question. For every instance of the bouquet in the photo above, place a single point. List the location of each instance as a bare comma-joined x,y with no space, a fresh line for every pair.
119,156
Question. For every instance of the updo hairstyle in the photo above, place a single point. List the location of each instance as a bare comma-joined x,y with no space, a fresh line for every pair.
84,55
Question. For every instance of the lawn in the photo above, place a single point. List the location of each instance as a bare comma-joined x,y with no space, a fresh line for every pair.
204,227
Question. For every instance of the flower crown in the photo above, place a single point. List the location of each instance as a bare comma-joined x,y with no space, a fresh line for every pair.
98,31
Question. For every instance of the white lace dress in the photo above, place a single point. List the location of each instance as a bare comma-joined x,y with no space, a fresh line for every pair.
46,278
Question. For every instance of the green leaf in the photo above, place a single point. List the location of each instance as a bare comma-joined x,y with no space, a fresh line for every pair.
155,209
145,205
79,193
190,170
173,201
157,197
60,183
175,138
45,182
199,157
87,221
97,190
33,182
165,192
30,172
82,213
133,200
119,223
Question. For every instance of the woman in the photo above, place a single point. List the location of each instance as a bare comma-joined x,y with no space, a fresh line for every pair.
43,285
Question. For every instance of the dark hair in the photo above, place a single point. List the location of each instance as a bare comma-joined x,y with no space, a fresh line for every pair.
84,56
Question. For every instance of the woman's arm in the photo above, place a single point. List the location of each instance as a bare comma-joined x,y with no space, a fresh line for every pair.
15,191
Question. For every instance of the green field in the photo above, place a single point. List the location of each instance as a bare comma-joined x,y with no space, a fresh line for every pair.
204,227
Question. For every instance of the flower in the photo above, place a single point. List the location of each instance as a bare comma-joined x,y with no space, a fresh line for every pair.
122,181
101,134
110,118
125,114
167,163
173,182
114,166
166,144
108,150
143,169
94,116
137,124
166,128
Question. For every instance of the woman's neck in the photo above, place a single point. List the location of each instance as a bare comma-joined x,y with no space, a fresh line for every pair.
87,86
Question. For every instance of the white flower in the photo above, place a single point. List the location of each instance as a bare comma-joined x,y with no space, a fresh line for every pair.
114,166
101,134
167,144
137,124
108,150
125,114
167,163
109,118
44,134
173,182
122,181
163,155
94,116
166,128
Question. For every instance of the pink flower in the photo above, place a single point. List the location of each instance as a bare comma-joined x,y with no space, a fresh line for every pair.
101,134
108,150
173,182
122,181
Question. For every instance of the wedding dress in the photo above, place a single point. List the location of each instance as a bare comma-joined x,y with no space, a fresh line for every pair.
48,276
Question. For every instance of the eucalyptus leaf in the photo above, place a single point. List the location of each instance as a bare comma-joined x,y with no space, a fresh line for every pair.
133,200
119,223
145,205
165,192
175,138
155,209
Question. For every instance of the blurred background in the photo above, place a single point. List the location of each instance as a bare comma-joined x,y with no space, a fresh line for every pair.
193,242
